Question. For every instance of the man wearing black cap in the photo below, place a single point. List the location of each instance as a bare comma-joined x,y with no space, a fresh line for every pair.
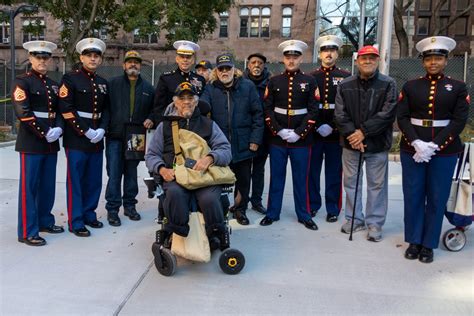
84,104
432,112
131,100
185,58
160,159
259,75
34,98
290,112
236,108
204,68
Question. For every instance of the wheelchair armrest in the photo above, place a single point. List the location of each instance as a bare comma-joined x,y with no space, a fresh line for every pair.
154,188
227,188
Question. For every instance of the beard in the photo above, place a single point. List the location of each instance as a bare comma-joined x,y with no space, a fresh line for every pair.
132,72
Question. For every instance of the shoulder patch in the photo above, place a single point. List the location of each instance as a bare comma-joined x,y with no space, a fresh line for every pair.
317,96
19,94
63,91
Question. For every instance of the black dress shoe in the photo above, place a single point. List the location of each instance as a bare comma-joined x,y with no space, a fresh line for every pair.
412,252
33,241
309,224
266,221
52,229
313,213
132,214
113,219
426,255
81,232
241,218
331,218
259,209
95,224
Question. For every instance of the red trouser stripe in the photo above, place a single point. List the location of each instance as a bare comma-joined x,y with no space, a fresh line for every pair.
69,191
23,195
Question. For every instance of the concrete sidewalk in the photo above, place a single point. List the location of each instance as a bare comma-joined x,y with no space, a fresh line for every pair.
289,269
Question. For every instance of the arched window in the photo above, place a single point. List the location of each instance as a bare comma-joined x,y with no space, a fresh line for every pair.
255,21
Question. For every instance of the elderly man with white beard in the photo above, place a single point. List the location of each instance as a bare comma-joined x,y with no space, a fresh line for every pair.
131,99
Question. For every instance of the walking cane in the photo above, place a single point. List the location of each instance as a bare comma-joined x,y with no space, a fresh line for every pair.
355,196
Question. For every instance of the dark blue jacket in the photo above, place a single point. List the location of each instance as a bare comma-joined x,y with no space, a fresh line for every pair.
238,112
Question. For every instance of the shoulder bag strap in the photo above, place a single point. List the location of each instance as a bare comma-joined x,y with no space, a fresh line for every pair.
178,156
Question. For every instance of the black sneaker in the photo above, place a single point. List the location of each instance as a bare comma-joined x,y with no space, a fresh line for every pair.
132,214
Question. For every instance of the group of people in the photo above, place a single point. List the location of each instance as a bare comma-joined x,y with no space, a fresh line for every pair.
327,116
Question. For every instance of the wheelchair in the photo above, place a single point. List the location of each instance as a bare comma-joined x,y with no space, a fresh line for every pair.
231,261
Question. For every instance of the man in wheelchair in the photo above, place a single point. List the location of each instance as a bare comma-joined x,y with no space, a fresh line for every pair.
160,159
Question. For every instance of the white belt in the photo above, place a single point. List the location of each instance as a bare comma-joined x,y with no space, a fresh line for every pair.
94,116
327,106
429,123
290,111
46,115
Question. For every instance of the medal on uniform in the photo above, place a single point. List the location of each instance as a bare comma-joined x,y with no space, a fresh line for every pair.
449,87
195,82
303,86
336,80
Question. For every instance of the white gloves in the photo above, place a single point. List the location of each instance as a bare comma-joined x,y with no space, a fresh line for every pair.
91,133
53,134
100,132
293,137
424,150
324,130
284,133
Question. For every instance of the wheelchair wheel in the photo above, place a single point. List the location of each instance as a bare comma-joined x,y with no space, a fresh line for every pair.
454,239
165,261
231,261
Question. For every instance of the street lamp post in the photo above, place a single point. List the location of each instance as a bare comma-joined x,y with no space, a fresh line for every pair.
12,13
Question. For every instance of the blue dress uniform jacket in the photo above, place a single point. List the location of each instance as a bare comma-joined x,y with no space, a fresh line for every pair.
433,98
34,98
291,91
85,92
167,85
327,80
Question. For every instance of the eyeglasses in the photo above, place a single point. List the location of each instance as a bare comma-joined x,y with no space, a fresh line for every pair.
224,68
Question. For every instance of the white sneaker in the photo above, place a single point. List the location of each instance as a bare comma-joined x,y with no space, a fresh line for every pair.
374,234
346,228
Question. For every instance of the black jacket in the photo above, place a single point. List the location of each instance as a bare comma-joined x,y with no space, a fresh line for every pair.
433,98
33,92
120,104
368,105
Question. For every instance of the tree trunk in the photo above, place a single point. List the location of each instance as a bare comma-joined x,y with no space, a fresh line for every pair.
400,32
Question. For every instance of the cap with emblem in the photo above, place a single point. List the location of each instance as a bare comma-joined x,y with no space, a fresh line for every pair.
258,55
132,54
186,47
204,64
328,42
293,47
90,45
368,50
40,48
185,87
435,45
224,60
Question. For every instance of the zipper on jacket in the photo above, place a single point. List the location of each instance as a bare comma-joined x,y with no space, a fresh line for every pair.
229,115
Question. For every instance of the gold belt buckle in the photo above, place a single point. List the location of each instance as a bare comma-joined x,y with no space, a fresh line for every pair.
326,106
51,115
95,116
427,123
291,112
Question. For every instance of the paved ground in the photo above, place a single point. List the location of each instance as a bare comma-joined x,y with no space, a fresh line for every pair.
290,270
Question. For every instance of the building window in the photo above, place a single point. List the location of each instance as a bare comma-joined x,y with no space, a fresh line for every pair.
286,22
33,29
460,26
224,24
101,34
462,4
144,39
5,33
443,21
425,5
445,6
255,22
423,26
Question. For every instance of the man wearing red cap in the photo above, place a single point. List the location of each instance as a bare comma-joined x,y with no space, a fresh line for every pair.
365,112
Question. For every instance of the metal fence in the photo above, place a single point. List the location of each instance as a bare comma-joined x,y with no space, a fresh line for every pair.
400,69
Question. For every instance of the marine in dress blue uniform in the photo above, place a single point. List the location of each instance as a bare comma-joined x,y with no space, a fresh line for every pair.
290,110
84,104
169,81
34,97
326,138
432,112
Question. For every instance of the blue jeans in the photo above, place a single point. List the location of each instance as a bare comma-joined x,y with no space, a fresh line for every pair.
117,167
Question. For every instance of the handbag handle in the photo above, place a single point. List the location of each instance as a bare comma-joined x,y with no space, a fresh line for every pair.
461,163
178,155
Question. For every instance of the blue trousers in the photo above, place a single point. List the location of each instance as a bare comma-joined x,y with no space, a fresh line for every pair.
117,167
332,155
426,188
36,193
83,183
299,159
